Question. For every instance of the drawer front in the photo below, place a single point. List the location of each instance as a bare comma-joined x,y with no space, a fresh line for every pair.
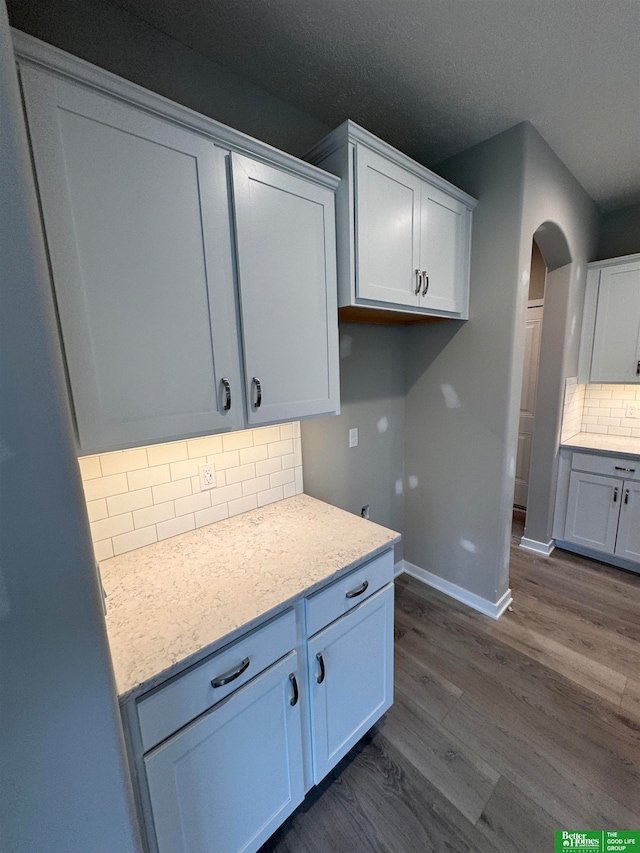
330,603
174,704
624,467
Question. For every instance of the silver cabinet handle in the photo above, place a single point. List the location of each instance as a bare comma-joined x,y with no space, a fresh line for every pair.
418,282
354,593
638,368
294,684
231,675
626,496
258,389
227,395
626,470
425,283
615,495
320,660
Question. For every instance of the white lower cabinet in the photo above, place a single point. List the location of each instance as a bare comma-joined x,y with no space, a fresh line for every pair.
225,783
603,508
225,765
350,678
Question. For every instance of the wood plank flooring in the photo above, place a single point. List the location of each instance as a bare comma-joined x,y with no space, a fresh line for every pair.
501,732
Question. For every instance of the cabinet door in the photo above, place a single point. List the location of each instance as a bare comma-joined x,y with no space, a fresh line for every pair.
136,218
593,506
285,232
616,342
628,541
227,781
387,230
351,678
445,227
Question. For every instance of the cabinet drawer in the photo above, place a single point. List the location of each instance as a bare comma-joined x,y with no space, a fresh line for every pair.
330,603
174,704
611,466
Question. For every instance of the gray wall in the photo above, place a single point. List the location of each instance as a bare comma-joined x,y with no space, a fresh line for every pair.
372,399
619,233
460,378
463,384
565,221
63,783
112,38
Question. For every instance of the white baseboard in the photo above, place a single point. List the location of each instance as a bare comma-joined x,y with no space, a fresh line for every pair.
483,605
398,568
542,548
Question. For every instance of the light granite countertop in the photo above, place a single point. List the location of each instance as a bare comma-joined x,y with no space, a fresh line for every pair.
610,444
175,602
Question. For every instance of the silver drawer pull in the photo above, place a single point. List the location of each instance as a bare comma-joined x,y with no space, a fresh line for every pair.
354,593
231,675
626,470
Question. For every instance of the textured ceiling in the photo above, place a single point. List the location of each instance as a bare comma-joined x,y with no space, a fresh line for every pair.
434,77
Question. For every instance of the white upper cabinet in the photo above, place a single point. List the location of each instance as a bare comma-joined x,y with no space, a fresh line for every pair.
287,281
404,233
388,228
148,245
137,222
610,346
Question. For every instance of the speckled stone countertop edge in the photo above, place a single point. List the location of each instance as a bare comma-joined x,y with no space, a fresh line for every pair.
596,443
202,654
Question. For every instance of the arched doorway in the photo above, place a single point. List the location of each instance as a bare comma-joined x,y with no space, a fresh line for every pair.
558,327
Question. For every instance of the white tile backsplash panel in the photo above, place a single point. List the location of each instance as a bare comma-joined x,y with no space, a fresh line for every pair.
573,405
605,410
140,496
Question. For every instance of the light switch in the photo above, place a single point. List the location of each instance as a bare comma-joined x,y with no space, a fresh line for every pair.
353,437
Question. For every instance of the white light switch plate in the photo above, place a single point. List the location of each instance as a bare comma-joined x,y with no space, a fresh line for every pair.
353,437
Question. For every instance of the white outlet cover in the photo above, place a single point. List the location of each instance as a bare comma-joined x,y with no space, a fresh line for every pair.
207,476
633,410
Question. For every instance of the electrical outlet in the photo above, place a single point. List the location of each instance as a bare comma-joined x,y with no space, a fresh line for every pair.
353,437
633,410
207,476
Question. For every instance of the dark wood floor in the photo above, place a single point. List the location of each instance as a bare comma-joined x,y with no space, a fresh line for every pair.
501,732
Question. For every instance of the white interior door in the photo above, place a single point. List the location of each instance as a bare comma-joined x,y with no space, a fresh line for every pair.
533,336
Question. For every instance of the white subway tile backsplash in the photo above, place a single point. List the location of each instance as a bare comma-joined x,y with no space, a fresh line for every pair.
237,440
243,505
282,477
97,509
185,506
138,496
280,448
265,435
242,472
154,514
90,467
103,487
204,446
175,526
149,477
270,496
187,468
135,539
127,460
269,466
103,550
129,501
107,528
159,454
211,515
253,454
257,484
171,491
